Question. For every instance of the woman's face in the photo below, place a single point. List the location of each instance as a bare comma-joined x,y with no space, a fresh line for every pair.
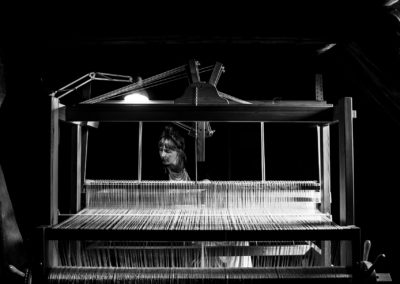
168,152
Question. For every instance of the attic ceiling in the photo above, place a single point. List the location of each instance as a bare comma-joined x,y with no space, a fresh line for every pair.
257,43
70,25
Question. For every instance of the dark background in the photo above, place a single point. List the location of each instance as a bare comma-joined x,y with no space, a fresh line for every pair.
269,52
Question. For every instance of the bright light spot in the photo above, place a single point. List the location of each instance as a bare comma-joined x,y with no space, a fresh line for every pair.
136,98
390,2
326,48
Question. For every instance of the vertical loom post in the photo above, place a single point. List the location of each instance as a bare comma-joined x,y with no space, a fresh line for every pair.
140,150
262,152
40,256
76,169
84,133
84,141
201,141
196,143
54,144
344,115
324,166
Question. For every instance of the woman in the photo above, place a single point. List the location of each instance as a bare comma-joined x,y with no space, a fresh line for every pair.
171,148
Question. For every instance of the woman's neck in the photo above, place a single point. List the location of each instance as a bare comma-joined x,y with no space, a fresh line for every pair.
178,176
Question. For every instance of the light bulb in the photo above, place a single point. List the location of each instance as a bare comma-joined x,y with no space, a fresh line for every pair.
136,98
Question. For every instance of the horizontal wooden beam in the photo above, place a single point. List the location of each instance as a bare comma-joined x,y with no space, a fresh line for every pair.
325,233
268,112
334,274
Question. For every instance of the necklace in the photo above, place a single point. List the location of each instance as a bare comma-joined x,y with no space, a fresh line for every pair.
179,176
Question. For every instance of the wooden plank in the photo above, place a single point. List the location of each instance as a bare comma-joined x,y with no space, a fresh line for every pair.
318,113
325,167
344,114
54,146
325,180
211,275
344,233
76,169
84,142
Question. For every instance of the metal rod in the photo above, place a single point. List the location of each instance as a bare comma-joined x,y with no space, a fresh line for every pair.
125,77
134,85
91,76
195,147
73,82
78,170
73,89
232,98
262,152
319,154
140,151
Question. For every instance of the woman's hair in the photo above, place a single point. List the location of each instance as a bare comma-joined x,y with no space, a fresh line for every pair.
171,134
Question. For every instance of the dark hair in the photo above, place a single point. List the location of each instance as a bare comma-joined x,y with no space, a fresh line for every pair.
170,133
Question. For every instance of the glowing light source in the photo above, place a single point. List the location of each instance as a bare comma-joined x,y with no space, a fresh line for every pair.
326,48
136,98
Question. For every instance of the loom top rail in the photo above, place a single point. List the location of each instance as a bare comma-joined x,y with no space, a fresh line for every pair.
300,112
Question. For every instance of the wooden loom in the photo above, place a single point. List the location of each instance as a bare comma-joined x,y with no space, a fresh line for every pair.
173,232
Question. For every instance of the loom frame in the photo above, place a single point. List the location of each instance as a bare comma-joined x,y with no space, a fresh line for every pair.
318,113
